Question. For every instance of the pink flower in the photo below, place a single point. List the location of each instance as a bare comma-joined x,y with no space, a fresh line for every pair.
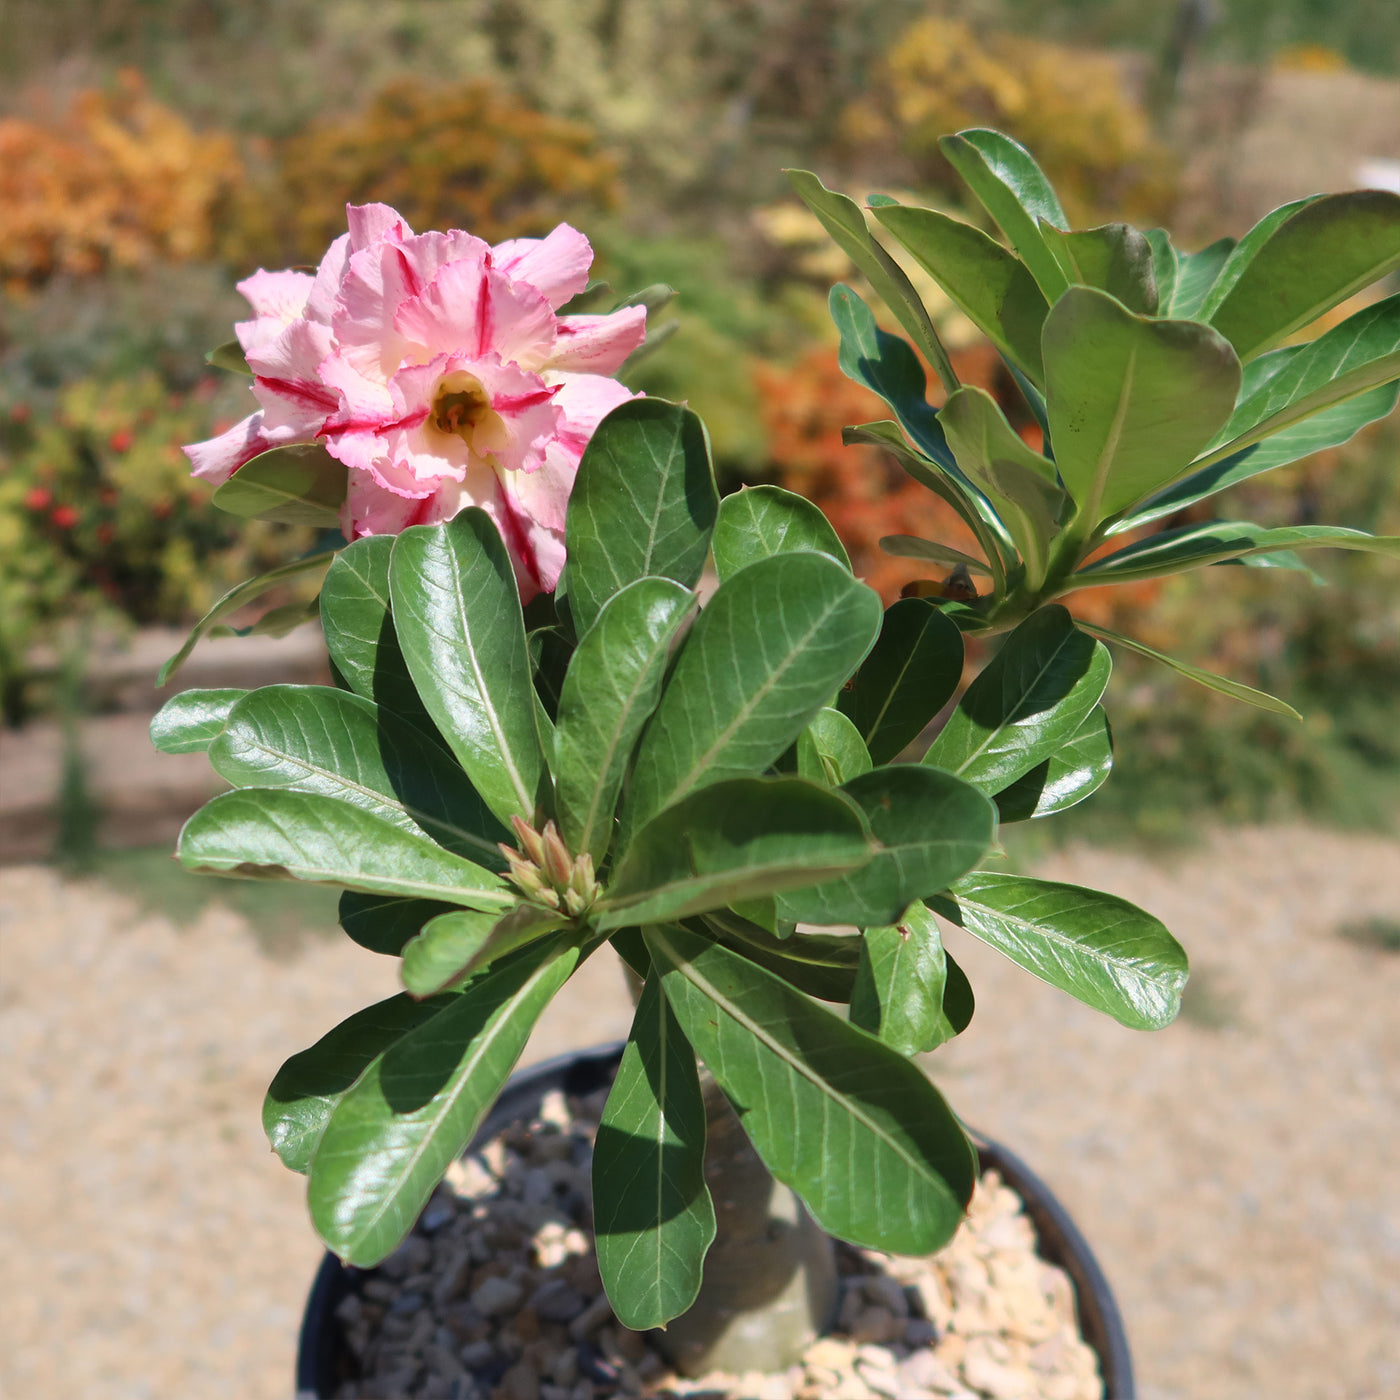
438,370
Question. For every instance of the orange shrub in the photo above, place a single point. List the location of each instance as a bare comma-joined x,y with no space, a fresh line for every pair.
120,181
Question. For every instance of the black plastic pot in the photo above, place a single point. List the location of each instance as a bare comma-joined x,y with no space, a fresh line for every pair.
323,1361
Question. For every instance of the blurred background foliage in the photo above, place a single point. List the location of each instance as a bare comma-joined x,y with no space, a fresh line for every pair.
154,151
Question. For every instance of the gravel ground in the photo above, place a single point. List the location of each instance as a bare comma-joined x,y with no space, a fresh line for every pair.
1236,1172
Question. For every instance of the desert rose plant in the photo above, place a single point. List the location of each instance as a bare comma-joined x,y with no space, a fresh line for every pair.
517,765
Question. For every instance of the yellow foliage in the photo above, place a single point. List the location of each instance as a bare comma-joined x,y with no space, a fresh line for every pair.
467,157
1310,58
119,182
1068,106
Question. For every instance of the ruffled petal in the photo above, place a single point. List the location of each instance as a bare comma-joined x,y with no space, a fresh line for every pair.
277,299
555,266
598,344
375,223
217,459
371,510
288,382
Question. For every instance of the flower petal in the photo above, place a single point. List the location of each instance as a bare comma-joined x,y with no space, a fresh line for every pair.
217,459
375,223
555,266
288,382
277,299
598,344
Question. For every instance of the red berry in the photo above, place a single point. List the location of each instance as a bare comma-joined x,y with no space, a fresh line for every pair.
38,498
120,441
65,517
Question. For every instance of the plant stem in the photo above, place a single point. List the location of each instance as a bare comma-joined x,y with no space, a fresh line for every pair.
770,1281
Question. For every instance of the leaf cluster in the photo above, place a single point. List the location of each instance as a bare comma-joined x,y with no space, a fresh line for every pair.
711,789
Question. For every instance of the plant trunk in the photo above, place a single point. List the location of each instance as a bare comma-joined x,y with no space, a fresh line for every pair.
770,1282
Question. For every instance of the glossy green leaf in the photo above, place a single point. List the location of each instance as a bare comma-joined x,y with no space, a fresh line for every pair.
1030,699
1329,428
830,750
1099,948
271,835
276,622
239,596
845,222
931,827
1078,768
853,1127
307,1088
1222,684
959,1004
1014,191
190,721
1164,267
898,993
1115,258
436,957
1132,401
653,1218
359,628
734,840
911,673
821,964
1315,259
1195,276
457,613
551,651
912,547
765,654
991,287
385,923
1018,481
643,504
298,485
313,738
1241,254
229,356
391,1137
1216,542
757,522
1360,354
611,688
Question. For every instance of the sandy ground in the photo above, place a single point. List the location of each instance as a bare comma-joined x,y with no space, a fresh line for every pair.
1236,1173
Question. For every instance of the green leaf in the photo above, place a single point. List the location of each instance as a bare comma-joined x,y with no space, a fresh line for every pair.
652,1215
313,738
1220,541
239,596
821,964
734,840
551,651
457,613
644,504
993,289
1115,258
1132,401
276,622
190,721
912,547
385,923
610,690
757,522
1195,276
912,671
1329,428
391,1137
1209,679
1240,255
298,485
1076,769
307,1088
1014,191
765,654
1099,948
1019,482
359,628
1030,699
846,223
271,835
830,750
1313,260
899,990
1360,354
229,356
1164,267
852,1127
958,1002
931,827
460,942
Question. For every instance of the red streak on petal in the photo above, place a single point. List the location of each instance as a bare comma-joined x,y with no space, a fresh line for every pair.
303,391
373,425
516,533
518,403
484,319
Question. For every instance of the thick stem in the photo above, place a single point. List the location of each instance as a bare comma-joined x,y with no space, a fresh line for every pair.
770,1283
